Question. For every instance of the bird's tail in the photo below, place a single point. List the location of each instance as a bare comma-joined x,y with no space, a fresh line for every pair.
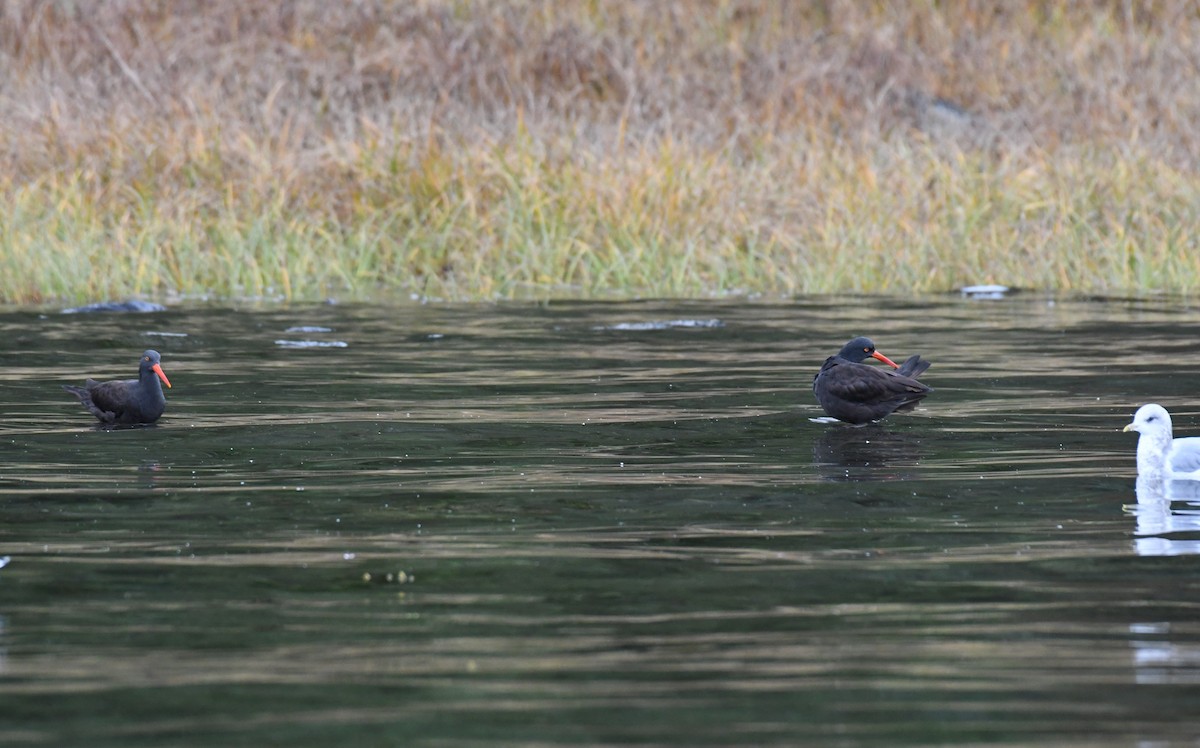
913,367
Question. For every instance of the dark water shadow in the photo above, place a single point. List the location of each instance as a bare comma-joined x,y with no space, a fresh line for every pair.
868,453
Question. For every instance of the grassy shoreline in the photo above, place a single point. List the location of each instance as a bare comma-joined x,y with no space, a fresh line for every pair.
596,149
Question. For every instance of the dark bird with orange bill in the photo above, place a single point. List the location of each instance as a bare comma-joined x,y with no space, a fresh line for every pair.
127,402
852,391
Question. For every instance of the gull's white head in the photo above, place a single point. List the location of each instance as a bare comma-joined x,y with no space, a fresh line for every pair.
1151,419
1153,423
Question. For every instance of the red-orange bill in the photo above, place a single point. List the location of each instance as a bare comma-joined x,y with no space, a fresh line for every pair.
876,355
158,370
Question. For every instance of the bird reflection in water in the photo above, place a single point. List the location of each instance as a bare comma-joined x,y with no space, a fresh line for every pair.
148,473
1168,524
866,453
1167,517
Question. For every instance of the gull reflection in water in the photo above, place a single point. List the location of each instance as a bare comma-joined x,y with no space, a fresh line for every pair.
1168,517
1157,658
1168,524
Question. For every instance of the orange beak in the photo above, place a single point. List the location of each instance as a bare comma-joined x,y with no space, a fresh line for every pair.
875,355
158,370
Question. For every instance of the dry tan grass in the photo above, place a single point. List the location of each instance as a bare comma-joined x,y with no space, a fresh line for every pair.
595,147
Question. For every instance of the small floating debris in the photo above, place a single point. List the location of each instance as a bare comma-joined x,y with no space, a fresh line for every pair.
309,328
661,325
311,344
388,577
4,561
133,305
424,337
157,334
986,291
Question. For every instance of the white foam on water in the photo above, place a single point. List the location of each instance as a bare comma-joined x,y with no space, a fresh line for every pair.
662,325
311,344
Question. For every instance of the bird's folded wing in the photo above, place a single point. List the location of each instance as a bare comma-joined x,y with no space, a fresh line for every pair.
860,389
1184,458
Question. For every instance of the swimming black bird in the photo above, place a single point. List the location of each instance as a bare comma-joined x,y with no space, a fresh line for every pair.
126,401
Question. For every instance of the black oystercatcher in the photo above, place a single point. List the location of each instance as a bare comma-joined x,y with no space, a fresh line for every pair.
854,392
128,401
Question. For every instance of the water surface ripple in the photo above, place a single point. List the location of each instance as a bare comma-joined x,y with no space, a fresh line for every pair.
592,524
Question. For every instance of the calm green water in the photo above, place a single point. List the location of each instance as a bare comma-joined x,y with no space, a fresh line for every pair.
609,534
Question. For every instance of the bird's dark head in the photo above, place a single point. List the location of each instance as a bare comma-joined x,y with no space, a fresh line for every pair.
860,349
151,362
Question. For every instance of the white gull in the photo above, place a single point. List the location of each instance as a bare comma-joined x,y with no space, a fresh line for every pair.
1158,454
